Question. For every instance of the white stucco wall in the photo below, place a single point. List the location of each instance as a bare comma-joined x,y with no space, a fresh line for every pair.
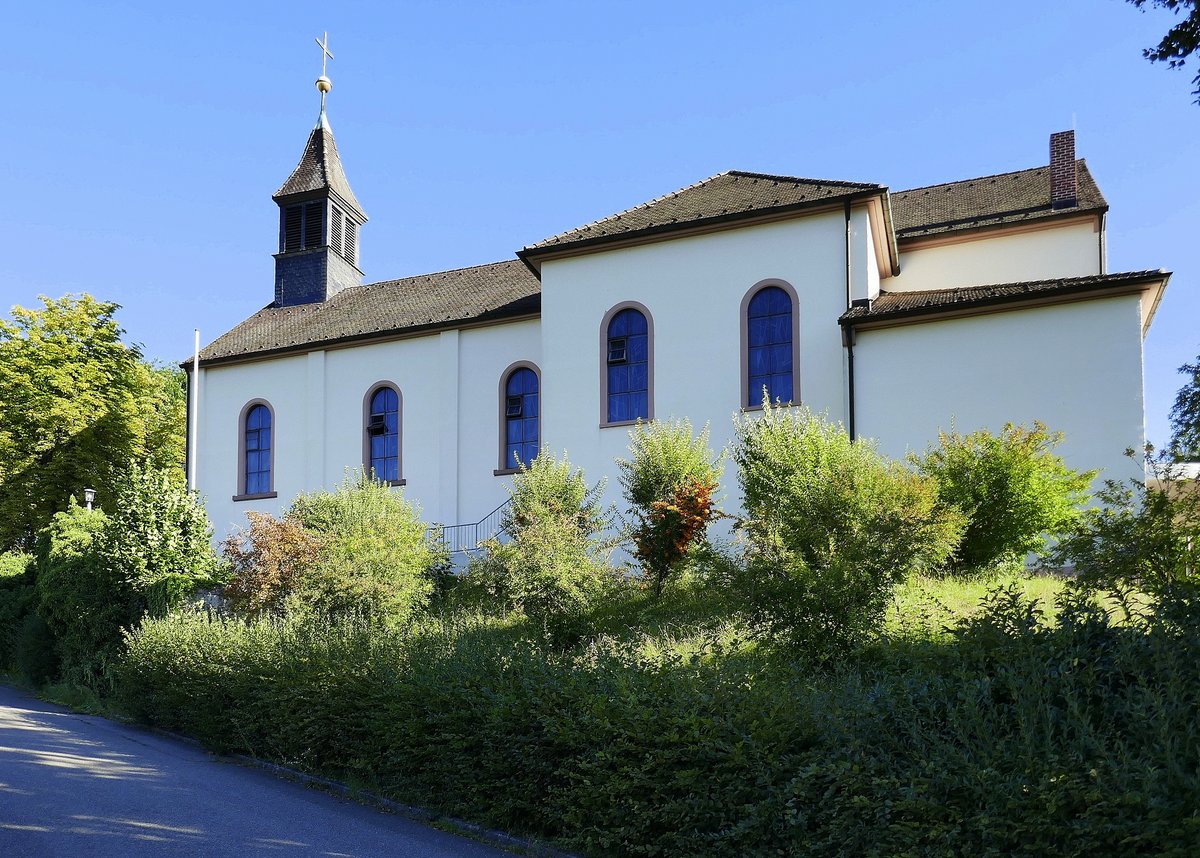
693,288
1068,250
449,385
1076,367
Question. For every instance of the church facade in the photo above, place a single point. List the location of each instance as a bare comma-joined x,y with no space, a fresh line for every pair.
899,313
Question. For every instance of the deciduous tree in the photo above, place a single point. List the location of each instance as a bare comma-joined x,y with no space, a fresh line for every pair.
74,400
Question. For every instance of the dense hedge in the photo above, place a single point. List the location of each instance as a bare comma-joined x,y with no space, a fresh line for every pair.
1017,737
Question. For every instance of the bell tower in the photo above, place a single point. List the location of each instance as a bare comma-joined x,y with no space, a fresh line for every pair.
319,218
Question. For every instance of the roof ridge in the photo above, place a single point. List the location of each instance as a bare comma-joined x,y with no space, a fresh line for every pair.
435,273
981,178
643,205
843,182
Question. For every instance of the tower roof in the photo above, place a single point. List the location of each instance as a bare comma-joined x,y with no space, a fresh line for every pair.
320,169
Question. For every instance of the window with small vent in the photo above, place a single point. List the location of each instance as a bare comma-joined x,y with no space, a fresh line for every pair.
292,228
349,247
314,224
335,230
382,446
627,380
519,443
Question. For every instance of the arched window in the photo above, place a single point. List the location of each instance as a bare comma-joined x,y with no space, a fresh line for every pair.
770,331
256,452
629,362
381,439
519,416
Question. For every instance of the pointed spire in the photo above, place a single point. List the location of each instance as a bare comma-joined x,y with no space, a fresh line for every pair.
320,169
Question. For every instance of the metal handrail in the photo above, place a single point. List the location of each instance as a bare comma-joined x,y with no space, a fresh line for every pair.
466,537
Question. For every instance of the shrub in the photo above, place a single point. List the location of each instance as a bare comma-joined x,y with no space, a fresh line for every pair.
556,565
669,481
1141,536
267,561
99,574
17,599
158,540
360,549
80,598
1012,488
832,526
35,650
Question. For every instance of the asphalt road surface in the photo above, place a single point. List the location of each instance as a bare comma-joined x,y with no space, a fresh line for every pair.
77,785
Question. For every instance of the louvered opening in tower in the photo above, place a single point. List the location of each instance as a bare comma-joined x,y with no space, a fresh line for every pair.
292,221
314,224
335,230
350,245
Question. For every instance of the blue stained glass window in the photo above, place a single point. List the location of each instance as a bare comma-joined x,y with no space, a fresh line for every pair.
520,417
769,345
629,378
383,429
258,450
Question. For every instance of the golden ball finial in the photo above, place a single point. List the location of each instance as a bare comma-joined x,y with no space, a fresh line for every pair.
324,84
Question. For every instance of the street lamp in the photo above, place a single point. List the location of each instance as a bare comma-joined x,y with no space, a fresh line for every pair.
89,497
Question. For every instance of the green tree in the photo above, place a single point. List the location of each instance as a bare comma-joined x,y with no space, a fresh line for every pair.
1185,416
74,399
1181,41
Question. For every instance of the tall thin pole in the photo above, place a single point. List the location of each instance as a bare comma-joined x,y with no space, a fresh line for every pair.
192,435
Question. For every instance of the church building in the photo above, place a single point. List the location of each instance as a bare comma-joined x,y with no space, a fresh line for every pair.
962,305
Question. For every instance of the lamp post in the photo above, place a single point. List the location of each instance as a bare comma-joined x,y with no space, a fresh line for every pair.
89,497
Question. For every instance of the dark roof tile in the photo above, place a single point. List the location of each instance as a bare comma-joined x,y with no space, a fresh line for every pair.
320,168
897,305
431,301
720,196
998,200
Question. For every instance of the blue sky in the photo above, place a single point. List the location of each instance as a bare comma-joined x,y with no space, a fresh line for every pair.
145,138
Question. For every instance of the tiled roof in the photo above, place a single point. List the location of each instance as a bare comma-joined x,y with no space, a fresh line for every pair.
320,168
428,302
987,201
898,305
726,196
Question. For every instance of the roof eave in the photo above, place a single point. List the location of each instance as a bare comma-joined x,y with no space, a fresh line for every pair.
974,226
1093,288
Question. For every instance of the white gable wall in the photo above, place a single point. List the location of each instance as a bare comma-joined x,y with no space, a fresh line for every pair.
1065,250
693,288
1076,367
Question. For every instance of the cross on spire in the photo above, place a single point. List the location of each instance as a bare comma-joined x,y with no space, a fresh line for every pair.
325,54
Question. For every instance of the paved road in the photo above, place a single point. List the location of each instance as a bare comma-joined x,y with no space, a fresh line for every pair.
77,785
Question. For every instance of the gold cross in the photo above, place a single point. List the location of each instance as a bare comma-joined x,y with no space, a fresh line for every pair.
325,54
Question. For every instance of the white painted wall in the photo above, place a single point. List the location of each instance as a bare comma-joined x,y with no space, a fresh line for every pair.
449,384
224,391
1070,250
693,287
1076,367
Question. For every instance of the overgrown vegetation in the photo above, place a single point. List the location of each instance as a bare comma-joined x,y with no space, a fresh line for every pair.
360,549
669,481
833,527
818,687
553,565
1012,489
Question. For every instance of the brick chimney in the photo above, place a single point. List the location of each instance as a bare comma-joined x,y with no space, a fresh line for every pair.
1064,185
